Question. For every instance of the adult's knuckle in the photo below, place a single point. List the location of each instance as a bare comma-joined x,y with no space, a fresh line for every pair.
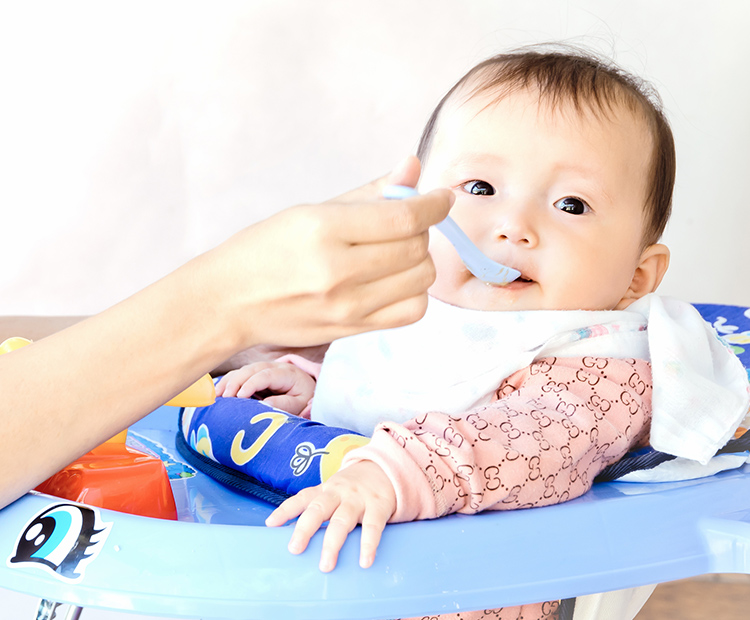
428,272
345,310
411,310
406,220
416,248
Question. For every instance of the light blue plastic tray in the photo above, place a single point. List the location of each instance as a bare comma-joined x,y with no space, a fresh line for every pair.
221,562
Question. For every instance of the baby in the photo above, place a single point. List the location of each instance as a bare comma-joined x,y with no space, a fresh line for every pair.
514,396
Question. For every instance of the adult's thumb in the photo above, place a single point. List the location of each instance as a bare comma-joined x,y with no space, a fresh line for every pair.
405,173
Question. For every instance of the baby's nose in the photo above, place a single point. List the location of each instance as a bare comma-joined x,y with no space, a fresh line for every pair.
515,224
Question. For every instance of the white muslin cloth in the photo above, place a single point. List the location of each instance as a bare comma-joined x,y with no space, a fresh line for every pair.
454,359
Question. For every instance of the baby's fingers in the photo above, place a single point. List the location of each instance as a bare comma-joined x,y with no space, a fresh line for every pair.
279,379
290,508
373,524
232,382
340,525
318,511
291,404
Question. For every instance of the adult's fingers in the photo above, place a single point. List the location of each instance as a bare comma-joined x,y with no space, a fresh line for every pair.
391,289
398,314
387,220
367,262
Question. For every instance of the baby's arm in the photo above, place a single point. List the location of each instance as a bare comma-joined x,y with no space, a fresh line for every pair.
291,380
556,425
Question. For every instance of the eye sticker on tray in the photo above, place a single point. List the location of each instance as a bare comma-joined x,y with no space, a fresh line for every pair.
62,540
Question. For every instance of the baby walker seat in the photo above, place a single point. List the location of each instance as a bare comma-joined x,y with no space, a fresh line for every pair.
219,561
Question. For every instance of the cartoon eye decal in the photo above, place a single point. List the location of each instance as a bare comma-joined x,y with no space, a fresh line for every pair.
62,539
572,205
478,188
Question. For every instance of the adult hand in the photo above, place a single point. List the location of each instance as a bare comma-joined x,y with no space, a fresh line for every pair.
314,273
306,276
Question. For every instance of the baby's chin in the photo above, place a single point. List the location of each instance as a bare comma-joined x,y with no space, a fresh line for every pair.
519,295
516,296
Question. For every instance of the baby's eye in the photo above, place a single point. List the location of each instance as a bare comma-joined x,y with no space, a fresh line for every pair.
479,188
572,205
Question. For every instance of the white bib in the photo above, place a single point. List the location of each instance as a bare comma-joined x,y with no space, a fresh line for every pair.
454,359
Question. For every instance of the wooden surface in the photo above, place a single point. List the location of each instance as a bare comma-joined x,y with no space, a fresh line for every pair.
714,597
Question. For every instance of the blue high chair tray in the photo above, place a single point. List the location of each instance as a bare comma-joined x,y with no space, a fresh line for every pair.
220,561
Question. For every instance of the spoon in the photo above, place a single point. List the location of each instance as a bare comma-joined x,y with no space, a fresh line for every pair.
485,269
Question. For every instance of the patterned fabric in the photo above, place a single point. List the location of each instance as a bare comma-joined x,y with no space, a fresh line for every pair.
538,611
732,323
552,428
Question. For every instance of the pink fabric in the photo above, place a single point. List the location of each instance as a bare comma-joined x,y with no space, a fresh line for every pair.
551,429
536,611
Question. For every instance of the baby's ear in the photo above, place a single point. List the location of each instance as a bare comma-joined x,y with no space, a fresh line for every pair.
651,268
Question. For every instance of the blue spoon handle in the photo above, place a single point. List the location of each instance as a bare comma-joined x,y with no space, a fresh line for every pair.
482,267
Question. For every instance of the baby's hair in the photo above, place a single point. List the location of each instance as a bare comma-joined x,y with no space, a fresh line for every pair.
571,75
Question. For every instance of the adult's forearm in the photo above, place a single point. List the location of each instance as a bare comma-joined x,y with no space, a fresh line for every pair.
67,393
304,277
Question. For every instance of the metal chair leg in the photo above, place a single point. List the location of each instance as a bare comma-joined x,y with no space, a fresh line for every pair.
74,613
47,610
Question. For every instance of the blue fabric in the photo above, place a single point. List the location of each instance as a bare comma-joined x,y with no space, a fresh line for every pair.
732,323
278,450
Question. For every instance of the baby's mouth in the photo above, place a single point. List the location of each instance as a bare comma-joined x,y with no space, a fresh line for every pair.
518,283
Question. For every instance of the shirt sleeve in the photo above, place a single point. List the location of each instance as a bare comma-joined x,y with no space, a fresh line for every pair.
550,430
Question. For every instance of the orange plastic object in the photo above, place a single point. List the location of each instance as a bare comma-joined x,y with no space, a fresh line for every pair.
201,394
121,437
116,477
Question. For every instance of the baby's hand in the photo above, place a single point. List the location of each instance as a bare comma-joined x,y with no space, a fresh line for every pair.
361,493
292,387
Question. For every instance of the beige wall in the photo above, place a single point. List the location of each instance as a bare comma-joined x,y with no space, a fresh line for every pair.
135,135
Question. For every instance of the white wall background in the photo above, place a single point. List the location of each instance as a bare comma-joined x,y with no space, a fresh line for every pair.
134,135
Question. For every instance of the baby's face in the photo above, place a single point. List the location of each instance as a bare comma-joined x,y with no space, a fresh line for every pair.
559,195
